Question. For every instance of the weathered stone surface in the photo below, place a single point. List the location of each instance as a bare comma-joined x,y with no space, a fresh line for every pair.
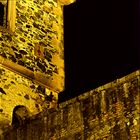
109,112
35,21
16,90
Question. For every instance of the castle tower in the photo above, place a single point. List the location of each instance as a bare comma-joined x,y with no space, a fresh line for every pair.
31,56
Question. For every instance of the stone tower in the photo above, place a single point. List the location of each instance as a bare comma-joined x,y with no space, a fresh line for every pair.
31,57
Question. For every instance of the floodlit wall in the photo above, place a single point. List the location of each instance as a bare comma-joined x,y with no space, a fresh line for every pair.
109,112
31,56
37,41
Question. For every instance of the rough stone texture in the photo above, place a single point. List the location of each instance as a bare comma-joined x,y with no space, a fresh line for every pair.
110,112
17,90
37,42
30,54
31,59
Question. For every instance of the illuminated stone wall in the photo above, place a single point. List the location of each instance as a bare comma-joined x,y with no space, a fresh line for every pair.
109,112
32,58
17,90
37,42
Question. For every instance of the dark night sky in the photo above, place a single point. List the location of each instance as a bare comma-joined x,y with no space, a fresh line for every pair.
101,40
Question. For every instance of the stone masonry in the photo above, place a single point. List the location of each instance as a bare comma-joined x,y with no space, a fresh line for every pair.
109,112
31,58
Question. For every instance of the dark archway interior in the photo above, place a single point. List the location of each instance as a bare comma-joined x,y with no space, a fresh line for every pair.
101,40
20,116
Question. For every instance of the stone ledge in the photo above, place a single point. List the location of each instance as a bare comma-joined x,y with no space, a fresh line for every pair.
48,82
6,30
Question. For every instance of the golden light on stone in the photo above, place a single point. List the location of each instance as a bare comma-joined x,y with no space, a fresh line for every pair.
31,62
67,2
32,75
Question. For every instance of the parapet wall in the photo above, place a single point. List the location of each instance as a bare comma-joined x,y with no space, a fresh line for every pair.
109,112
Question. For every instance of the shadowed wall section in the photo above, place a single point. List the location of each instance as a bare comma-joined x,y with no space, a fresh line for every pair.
109,112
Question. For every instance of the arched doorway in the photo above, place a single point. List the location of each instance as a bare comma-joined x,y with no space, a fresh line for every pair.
20,116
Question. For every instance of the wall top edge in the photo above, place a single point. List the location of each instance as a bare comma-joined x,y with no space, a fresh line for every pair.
114,83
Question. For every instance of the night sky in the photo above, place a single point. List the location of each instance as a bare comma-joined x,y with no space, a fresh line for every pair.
101,41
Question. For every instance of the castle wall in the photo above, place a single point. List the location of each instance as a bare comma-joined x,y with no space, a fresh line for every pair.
31,57
109,112
37,42
16,90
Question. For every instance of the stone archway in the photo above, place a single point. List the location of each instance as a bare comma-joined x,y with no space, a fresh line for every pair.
20,116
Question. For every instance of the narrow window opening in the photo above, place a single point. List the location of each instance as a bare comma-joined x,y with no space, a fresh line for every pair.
1,14
8,14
